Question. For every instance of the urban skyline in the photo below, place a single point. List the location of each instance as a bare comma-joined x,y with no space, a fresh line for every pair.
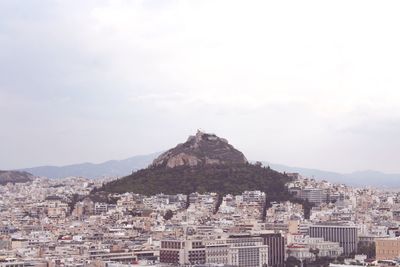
211,133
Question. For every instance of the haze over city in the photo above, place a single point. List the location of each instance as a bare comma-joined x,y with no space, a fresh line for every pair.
299,83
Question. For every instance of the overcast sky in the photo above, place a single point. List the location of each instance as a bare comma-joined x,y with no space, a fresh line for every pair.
303,83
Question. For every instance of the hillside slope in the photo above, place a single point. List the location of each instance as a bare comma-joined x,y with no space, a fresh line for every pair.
14,177
224,179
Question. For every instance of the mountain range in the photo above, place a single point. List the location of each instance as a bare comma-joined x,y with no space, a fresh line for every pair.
359,178
111,168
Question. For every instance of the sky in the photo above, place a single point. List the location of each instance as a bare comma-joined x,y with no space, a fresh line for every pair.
302,83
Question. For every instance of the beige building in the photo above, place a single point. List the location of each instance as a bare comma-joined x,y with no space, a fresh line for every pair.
237,250
387,248
247,251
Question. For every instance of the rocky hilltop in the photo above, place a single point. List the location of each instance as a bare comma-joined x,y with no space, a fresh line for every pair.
199,150
15,177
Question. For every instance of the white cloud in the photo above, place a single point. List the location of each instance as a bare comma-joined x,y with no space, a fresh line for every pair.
309,69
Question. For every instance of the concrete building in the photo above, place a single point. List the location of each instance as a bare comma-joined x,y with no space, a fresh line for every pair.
300,246
183,252
12,264
314,195
253,197
217,252
276,249
346,236
172,251
56,207
247,251
237,250
387,248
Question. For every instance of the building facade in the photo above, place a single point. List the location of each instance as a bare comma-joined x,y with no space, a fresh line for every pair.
346,236
387,248
183,252
238,250
276,249
247,251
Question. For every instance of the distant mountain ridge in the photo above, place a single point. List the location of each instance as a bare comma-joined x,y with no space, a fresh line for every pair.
358,178
15,177
111,168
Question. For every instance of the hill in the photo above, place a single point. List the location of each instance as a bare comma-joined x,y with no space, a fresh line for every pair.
204,163
14,177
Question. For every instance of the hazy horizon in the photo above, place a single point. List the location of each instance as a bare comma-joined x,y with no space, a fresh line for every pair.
305,84
159,152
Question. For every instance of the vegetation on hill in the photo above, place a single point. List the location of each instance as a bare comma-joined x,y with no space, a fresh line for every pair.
14,177
222,179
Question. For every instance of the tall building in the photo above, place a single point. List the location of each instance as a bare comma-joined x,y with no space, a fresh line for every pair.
346,236
276,249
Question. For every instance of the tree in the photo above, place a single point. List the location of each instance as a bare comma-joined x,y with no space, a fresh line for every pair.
187,204
168,215
218,203
293,262
315,251
321,262
340,259
367,249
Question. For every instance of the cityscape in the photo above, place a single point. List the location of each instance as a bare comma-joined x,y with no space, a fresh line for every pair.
68,222
199,133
